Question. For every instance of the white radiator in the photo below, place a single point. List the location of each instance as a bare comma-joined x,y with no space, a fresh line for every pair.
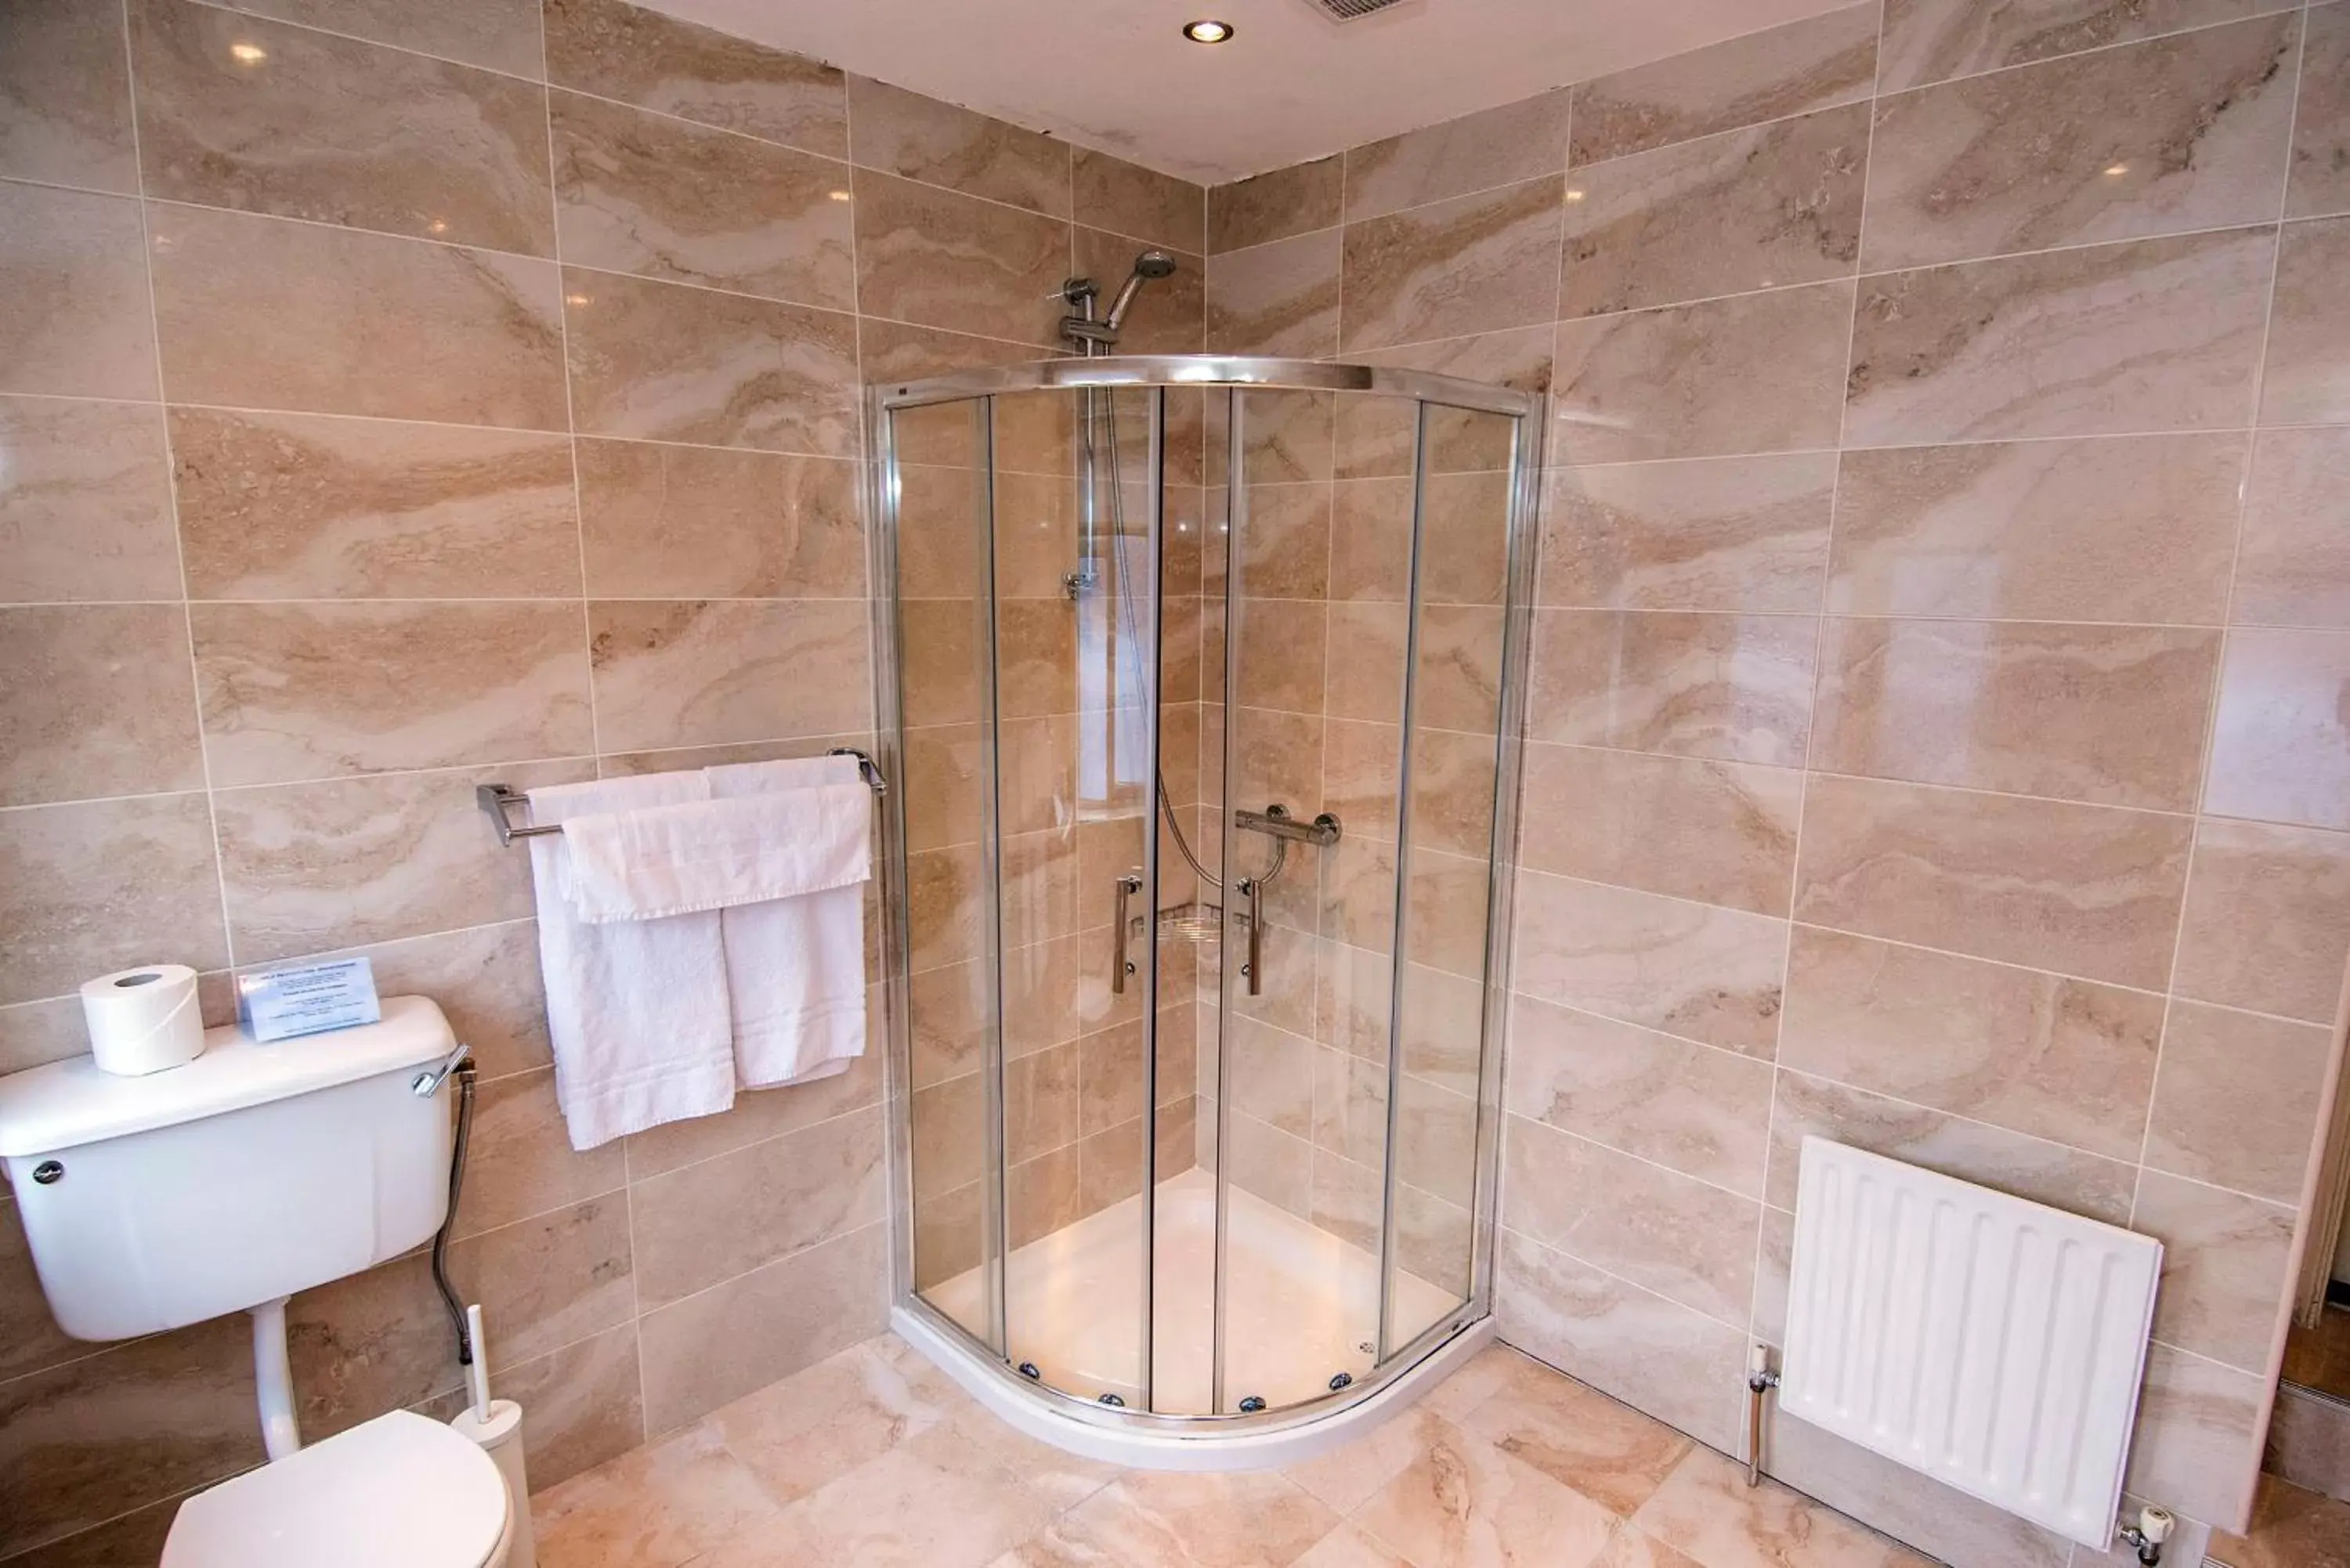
1993,1344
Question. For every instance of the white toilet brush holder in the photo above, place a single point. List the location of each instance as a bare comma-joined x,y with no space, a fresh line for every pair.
496,1425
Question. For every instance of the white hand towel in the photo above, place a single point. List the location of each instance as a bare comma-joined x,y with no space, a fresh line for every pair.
637,1011
713,854
795,967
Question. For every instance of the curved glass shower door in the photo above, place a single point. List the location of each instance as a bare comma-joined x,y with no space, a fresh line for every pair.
1202,696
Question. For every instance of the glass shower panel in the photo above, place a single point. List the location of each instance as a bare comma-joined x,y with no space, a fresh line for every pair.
1454,736
1075,635
942,501
1301,1143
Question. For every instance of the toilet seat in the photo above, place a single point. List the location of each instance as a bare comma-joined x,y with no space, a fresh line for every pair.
398,1491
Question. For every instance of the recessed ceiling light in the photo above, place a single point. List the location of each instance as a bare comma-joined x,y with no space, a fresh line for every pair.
2116,171
248,54
1207,31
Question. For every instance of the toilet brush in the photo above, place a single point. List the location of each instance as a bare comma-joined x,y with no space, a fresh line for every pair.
496,1425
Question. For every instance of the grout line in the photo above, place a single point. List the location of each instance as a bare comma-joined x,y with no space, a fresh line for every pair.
2289,8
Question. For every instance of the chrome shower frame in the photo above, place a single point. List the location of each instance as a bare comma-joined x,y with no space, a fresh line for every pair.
1200,1441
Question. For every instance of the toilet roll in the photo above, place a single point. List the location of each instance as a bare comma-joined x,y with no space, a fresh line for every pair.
143,1020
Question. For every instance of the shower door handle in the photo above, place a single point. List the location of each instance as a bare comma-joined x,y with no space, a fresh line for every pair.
1253,889
1121,966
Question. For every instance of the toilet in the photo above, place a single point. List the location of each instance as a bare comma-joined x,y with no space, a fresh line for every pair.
227,1185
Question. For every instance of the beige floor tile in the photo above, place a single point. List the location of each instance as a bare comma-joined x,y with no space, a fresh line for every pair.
1159,1519
656,1507
845,1411
1462,1503
1705,1510
2291,1528
1578,1437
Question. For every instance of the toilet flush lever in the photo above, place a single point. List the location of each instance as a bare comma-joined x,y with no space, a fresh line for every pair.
427,1083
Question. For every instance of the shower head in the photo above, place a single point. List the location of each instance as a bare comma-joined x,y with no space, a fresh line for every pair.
1148,267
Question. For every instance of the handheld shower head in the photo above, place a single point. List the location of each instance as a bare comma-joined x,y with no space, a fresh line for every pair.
1148,267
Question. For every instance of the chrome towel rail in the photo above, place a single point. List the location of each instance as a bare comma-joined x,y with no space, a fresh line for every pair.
496,799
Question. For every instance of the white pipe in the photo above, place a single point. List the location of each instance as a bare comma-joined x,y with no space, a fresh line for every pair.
273,1380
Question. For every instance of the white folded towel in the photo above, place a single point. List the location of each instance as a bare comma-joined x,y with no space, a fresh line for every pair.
716,854
796,966
637,1011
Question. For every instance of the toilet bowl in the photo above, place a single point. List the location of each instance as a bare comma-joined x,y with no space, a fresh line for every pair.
398,1491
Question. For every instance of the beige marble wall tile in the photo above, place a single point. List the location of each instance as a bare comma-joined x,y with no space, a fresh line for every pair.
342,862
1275,205
96,700
2057,1058
1735,688
2148,335
310,690
932,256
2030,1168
761,1115
1452,268
86,888
65,96
1140,203
621,51
71,280
664,362
1825,60
34,1342
1474,153
486,980
336,130
2281,750
1717,832
2198,1435
2237,1103
2293,567
2319,178
259,313
2306,1436
642,194
85,503
2185,132
2224,1261
2087,891
724,1217
1664,1358
1374,433
1931,40
2309,328
1706,974
676,521
308,506
2268,920
1776,204
686,673
1698,1111
521,1164
1279,299
70,1435
1168,316
1754,373
502,35
2112,714
583,1403
707,1349
1730,533
917,138
2123,528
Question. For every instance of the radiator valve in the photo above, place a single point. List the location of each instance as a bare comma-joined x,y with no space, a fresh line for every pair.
2153,1528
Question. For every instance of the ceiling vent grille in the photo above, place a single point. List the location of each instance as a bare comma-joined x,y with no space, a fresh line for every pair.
1348,10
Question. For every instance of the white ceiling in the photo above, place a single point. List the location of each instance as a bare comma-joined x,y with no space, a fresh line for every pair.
1118,75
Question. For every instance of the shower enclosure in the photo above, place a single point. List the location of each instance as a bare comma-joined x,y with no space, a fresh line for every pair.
1201,679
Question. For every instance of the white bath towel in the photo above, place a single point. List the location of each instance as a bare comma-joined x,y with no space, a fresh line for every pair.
715,853
796,966
638,1009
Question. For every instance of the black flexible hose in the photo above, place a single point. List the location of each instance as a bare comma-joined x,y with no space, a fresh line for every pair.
441,1236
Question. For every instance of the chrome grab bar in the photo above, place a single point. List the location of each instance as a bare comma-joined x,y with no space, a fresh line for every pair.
1121,966
1275,822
